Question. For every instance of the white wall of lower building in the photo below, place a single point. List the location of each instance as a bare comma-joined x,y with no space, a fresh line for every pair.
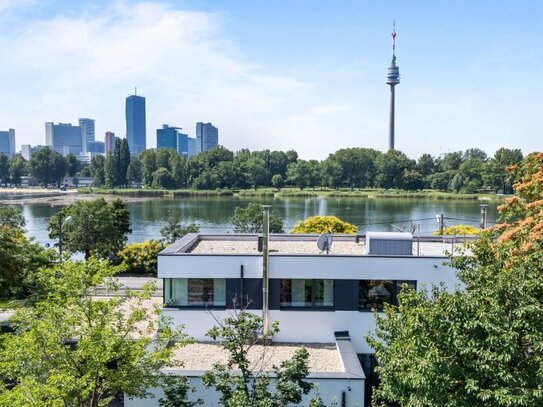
329,389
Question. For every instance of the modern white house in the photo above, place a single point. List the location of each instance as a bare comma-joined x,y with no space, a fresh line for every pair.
322,299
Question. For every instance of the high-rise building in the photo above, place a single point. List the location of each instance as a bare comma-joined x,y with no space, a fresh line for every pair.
7,142
166,137
109,141
27,150
191,146
96,147
207,137
171,137
135,123
393,78
87,133
64,138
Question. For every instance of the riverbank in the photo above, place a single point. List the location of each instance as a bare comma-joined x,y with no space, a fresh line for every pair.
53,197
295,192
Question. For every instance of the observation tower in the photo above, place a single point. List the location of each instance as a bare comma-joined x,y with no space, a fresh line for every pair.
393,76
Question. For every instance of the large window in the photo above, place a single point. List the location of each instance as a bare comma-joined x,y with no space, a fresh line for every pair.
307,293
195,292
375,293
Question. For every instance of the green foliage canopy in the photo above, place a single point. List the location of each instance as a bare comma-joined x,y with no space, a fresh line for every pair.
250,220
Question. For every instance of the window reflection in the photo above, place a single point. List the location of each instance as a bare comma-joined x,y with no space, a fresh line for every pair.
375,293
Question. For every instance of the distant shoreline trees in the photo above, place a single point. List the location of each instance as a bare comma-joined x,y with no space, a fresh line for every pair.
467,171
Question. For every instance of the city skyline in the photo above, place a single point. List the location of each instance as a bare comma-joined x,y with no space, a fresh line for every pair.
271,82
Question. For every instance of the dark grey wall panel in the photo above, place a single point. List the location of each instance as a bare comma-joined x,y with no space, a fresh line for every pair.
346,295
252,293
275,293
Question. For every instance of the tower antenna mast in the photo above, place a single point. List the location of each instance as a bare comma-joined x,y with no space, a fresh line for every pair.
393,76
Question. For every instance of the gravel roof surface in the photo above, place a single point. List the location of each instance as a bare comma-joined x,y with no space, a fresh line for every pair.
202,356
286,247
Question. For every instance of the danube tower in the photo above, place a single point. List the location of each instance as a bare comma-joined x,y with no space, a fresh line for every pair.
393,76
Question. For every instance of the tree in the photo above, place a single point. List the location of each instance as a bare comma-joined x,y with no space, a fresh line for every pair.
175,228
304,173
249,387
48,166
497,176
20,257
134,172
72,165
481,345
176,390
250,220
17,166
98,172
162,178
324,224
72,348
124,162
391,167
255,171
149,165
97,228
4,169
141,258
277,181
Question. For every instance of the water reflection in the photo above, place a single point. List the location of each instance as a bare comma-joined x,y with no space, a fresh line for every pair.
213,214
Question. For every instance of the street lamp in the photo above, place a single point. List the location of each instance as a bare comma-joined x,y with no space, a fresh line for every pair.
61,224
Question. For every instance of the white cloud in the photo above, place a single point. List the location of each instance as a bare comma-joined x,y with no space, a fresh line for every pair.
65,67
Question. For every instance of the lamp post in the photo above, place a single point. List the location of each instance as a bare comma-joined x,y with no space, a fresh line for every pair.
61,224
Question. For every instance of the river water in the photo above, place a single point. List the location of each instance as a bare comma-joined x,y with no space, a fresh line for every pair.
213,214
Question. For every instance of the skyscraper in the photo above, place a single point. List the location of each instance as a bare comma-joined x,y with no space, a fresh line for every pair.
64,138
207,137
393,76
135,123
7,142
87,133
166,137
109,141
171,137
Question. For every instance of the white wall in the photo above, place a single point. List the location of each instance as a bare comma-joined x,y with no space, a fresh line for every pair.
328,389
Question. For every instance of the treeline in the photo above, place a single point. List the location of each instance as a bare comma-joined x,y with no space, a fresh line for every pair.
467,171
462,171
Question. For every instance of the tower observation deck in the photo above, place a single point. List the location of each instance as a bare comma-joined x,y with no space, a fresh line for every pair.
393,76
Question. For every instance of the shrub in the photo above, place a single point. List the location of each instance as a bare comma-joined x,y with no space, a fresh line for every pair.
324,224
141,257
459,230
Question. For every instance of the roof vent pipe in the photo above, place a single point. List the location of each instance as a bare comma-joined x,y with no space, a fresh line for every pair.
265,277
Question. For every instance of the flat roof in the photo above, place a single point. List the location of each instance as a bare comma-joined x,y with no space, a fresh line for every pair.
323,357
292,244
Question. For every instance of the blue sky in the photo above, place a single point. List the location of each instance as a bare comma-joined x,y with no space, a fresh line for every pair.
308,75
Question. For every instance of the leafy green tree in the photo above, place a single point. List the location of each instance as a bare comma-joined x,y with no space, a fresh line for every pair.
72,165
250,220
134,172
179,171
250,387
175,228
48,166
228,174
72,348
481,345
277,181
97,228
97,168
255,171
324,224
357,166
452,161
19,256
149,165
176,391
17,168
124,162
497,177
162,178
112,167
391,167
4,169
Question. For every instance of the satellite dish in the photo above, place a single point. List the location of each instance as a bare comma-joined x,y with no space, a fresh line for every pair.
324,242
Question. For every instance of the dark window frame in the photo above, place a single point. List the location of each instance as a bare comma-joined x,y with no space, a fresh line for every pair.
395,291
313,296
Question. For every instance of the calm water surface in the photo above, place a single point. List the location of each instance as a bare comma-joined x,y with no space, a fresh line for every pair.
214,214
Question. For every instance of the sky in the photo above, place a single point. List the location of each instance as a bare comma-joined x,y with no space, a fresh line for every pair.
307,75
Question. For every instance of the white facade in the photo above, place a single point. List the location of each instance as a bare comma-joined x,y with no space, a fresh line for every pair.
344,276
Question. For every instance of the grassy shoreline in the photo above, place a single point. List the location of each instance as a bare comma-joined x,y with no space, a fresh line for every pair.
292,192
